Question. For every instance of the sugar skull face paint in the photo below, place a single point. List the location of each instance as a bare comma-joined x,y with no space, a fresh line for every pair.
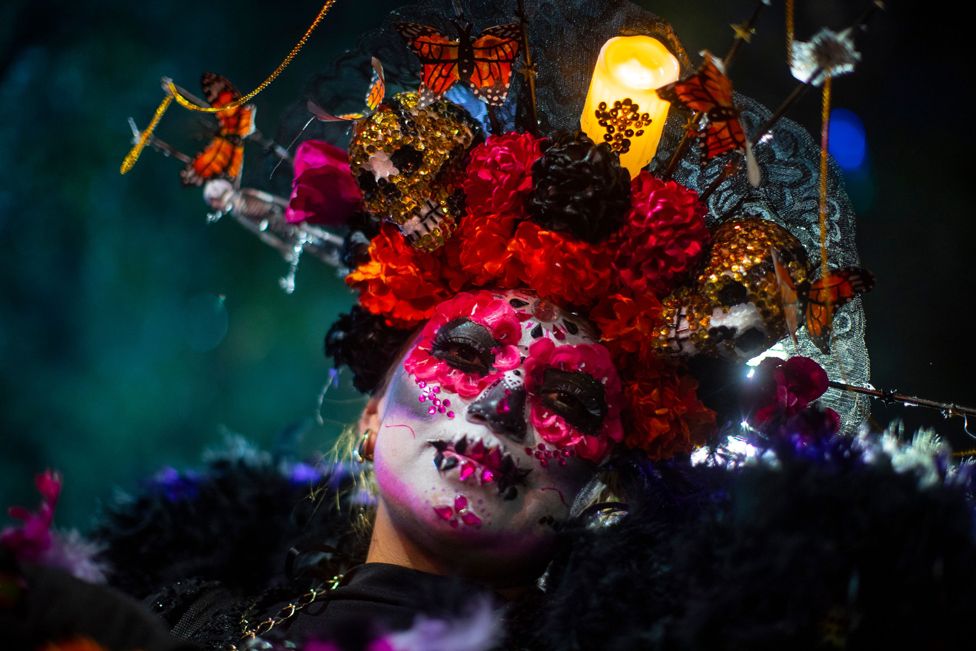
492,424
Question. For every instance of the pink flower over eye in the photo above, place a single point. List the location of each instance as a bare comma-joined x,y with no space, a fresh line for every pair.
574,396
467,345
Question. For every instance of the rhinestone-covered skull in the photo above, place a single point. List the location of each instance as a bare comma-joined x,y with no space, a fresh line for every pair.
736,308
408,161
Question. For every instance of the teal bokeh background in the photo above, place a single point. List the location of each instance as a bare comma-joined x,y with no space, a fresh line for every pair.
133,334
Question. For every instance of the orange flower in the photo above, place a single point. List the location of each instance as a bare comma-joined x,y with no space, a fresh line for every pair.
665,416
74,644
400,283
628,323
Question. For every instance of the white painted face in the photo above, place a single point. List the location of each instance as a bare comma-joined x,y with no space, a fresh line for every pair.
489,428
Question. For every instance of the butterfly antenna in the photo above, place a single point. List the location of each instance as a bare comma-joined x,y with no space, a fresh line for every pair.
288,148
457,8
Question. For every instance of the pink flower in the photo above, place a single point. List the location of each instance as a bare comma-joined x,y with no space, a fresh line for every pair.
482,308
592,359
664,237
324,190
33,539
782,389
500,174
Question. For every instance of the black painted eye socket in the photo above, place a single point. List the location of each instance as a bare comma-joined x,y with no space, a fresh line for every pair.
575,396
465,345
407,159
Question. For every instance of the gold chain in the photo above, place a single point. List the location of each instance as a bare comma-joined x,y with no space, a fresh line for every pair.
244,99
140,144
824,144
250,631
174,93
789,33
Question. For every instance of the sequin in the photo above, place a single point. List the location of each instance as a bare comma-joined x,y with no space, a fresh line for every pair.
423,199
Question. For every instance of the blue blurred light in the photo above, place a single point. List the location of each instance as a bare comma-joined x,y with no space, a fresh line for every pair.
848,144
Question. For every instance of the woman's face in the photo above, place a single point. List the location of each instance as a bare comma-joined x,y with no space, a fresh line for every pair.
491,424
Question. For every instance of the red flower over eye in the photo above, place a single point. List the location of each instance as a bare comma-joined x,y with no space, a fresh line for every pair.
574,397
467,345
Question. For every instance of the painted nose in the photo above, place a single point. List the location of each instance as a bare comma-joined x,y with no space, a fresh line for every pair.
502,408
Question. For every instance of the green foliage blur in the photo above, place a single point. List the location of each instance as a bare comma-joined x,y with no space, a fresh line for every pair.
133,334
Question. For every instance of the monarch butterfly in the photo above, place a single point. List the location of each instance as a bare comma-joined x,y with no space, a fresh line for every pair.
223,157
484,63
709,91
374,97
819,300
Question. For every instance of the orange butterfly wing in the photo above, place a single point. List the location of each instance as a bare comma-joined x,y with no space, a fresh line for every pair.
377,86
788,295
494,54
827,294
375,95
221,158
438,56
224,155
709,91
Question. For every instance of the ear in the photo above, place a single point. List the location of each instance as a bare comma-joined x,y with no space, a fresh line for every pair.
370,418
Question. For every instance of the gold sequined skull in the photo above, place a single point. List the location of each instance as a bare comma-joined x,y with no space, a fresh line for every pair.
408,161
736,308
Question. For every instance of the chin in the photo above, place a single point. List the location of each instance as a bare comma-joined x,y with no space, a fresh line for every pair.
469,529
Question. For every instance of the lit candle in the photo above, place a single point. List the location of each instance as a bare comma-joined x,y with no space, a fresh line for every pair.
622,107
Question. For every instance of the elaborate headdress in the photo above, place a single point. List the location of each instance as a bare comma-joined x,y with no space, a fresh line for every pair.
664,275
677,257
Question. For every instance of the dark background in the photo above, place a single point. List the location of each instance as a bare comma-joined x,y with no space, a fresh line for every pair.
133,335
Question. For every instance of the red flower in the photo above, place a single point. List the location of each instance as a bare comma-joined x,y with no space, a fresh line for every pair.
562,269
628,324
499,175
781,389
399,282
480,249
553,428
664,237
324,190
484,309
665,416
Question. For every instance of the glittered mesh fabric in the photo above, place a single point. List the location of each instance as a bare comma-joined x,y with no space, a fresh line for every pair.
566,37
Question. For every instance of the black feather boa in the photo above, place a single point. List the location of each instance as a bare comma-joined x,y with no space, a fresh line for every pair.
813,554
233,523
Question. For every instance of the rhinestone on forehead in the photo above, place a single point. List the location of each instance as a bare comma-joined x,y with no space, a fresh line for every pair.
542,318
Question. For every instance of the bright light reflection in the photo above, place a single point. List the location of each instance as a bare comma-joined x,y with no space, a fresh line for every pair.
634,74
778,350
